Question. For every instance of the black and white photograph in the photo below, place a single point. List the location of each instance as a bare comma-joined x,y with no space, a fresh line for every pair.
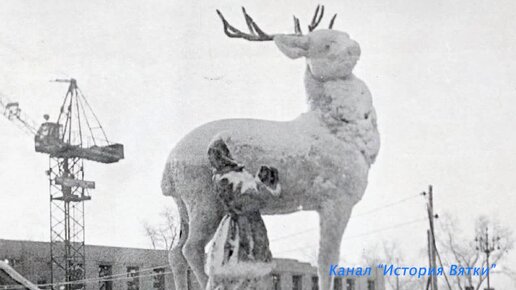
257,145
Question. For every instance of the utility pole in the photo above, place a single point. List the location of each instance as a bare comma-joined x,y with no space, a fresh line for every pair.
429,251
487,247
397,277
431,236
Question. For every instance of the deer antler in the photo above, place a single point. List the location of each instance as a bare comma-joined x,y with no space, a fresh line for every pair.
317,18
318,15
297,26
332,21
256,34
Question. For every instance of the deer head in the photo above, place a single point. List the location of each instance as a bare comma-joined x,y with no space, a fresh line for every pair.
329,54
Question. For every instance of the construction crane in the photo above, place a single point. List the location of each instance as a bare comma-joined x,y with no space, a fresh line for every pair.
76,136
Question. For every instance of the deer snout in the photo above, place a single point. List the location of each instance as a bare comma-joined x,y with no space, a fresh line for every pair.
331,67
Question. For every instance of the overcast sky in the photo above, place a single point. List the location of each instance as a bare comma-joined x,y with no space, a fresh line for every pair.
442,75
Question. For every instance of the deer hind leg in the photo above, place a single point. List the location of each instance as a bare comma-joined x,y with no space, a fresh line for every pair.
176,258
204,220
333,219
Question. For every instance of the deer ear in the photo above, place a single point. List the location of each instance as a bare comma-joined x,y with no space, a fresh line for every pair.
293,46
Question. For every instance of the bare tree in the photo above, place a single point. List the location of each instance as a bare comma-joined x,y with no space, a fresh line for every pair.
509,273
163,235
389,253
461,249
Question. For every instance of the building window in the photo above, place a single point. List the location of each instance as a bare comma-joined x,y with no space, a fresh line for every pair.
337,284
159,279
42,284
370,285
106,271
276,282
134,283
297,282
315,283
350,284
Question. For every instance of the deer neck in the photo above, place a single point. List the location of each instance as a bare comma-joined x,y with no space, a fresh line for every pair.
320,94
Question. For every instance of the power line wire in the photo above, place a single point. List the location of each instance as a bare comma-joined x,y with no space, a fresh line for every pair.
387,205
363,234
124,276
391,204
127,275
440,260
106,278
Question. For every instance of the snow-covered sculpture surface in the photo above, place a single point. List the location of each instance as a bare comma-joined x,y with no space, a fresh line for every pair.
323,156
239,257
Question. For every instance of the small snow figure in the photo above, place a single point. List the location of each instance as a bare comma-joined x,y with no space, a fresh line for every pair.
240,258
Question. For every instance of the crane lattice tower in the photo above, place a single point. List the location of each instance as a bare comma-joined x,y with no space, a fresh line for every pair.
76,136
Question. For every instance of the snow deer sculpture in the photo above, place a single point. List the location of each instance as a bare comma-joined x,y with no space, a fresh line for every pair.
323,156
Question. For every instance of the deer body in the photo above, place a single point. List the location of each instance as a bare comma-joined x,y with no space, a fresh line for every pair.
312,153
323,156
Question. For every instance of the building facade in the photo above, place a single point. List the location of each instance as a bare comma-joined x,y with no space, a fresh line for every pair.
116,268
291,274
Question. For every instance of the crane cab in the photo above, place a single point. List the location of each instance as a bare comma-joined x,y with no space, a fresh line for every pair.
48,137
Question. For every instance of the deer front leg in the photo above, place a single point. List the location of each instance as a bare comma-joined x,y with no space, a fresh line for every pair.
333,218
